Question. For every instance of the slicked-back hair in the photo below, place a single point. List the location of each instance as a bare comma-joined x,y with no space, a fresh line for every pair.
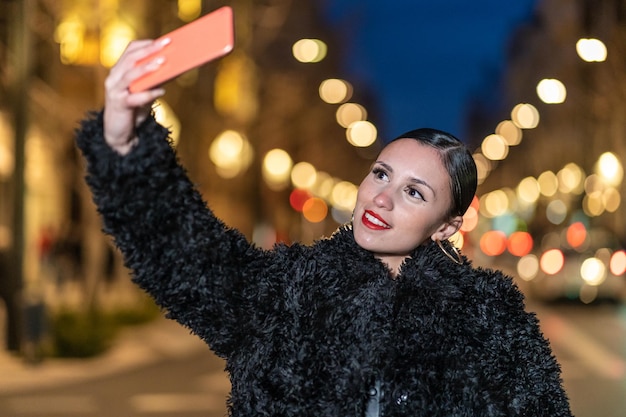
457,160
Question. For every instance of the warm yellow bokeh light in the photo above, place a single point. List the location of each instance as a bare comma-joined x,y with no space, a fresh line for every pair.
609,169
114,39
309,50
343,195
323,186
231,153
483,167
303,175
361,134
552,261
591,50
334,91
349,113
528,267
525,116
188,10
495,203
571,179
528,190
277,168
551,91
548,183
494,147
593,271
593,204
611,199
509,132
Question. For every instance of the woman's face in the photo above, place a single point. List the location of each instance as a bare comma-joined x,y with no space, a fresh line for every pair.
403,201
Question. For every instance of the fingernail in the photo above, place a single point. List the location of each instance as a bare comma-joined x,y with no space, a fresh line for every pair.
165,41
158,61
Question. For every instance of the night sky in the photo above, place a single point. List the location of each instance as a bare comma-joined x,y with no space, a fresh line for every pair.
422,60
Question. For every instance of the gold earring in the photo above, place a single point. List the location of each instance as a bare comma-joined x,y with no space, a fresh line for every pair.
458,260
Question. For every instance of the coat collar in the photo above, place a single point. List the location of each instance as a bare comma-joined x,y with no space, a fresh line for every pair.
427,266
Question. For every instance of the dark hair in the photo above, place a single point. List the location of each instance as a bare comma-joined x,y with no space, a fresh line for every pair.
458,161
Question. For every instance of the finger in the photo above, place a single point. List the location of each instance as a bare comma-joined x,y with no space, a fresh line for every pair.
144,98
135,51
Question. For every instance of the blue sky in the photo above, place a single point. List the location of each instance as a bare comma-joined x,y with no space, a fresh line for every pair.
423,59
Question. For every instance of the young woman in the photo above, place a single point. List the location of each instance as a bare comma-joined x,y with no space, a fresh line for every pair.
382,318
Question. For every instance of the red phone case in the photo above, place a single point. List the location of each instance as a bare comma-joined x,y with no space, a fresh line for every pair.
205,39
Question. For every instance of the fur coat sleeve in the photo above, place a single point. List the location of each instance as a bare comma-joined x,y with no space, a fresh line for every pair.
205,275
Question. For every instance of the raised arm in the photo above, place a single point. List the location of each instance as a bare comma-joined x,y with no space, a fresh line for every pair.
200,271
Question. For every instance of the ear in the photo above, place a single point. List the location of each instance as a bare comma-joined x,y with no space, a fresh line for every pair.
448,228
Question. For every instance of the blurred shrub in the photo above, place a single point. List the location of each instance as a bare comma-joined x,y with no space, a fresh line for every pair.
82,334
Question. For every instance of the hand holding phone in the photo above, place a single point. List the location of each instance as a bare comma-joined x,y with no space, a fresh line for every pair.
205,39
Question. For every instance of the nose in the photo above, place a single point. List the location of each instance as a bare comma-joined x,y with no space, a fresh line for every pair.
383,200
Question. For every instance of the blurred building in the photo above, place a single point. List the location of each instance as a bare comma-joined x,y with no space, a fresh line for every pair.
551,163
272,134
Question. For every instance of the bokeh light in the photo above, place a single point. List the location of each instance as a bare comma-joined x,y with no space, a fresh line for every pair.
571,179
277,169
525,116
493,243
303,175
315,210
509,132
231,153
552,261
591,49
495,147
610,169
309,50
556,212
297,198
349,113
361,134
528,267
334,91
617,264
528,190
520,243
576,234
548,183
593,271
343,195
551,91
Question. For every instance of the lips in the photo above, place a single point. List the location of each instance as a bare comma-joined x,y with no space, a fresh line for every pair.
372,221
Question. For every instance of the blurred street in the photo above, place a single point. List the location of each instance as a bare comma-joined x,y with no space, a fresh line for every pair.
177,376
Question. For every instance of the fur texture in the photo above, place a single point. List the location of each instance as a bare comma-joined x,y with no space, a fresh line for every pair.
305,330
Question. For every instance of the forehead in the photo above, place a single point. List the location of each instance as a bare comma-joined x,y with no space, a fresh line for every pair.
411,152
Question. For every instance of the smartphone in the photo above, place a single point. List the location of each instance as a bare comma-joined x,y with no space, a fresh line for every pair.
207,38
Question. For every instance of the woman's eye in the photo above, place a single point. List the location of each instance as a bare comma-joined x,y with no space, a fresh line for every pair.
379,173
412,192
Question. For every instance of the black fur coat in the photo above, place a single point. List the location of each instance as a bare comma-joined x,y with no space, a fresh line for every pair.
305,330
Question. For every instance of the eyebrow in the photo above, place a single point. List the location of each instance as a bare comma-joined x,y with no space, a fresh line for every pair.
412,179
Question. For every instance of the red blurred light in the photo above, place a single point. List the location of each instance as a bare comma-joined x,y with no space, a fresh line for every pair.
576,234
297,198
520,243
